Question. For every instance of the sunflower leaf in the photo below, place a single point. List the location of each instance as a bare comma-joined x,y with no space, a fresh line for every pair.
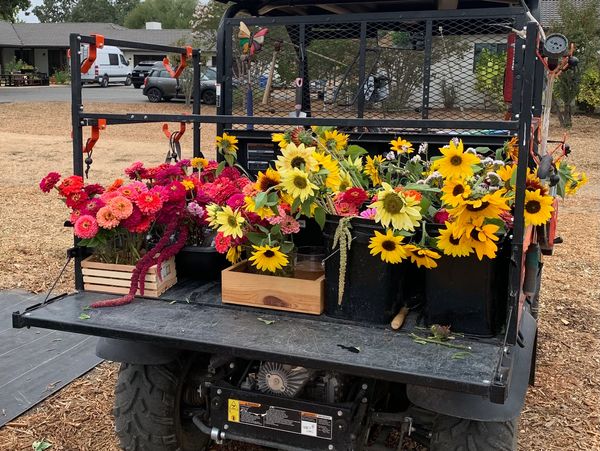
320,216
263,229
220,168
296,204
354,151
422,187
260,200
276,230
84,316
286,247
255,238
272,199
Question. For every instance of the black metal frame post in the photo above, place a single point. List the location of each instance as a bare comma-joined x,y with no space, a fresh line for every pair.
427,69
362,59
197,152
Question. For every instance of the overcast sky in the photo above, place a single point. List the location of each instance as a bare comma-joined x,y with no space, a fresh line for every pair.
30,18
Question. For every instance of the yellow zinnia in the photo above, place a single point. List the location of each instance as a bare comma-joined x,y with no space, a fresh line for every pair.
538,208
230,222
401,146
388,245
297,184
268,258
299,157
372,168
422,256
452,242
455,163
402,212
199,162
455,192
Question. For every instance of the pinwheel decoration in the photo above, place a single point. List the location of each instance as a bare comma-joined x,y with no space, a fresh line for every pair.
251,42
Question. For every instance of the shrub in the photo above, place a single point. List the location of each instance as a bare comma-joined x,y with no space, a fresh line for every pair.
62,76
489,73
589,89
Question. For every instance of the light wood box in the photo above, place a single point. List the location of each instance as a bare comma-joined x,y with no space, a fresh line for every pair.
113,278
278,293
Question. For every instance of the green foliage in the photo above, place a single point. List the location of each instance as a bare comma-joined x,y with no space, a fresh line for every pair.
93,11
54,10
171,13
10,8
205,22
13,66
589,89
62,76
113,11
489,74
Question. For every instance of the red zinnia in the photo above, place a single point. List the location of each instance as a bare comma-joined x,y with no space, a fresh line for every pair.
49,182
143,225
222,243
70,185
354,196
94,189
150,202
76,198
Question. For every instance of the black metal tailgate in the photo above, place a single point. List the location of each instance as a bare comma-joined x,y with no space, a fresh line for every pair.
315,342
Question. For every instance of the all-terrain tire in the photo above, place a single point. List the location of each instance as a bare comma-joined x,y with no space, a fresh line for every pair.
457,434
147,409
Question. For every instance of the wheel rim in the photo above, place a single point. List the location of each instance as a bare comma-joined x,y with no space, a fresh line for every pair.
209,97
154,95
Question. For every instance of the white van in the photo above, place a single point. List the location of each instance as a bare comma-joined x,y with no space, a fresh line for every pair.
110,67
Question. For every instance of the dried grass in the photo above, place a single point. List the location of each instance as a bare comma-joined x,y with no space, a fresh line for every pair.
562,411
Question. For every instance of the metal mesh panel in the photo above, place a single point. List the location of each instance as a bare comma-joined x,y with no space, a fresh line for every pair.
447,69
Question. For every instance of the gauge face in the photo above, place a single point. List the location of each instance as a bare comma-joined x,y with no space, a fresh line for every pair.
556,45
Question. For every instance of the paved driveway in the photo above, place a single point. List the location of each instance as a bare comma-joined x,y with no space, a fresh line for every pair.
112,94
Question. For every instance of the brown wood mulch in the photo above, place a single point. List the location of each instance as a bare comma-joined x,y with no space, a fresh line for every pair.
562,410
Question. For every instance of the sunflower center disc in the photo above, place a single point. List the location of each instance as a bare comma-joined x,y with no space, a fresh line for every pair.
298,162
393,203
456,160
458,189
232,221
533,206
269,253
475,234
454,241
483,206
388,245
300,182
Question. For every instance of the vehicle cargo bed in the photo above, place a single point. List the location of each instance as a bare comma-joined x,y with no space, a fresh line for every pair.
191,316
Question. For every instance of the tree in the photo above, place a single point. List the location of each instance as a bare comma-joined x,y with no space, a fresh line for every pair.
10,8
205,22
123,8
84,10
581,24
94,11
171,13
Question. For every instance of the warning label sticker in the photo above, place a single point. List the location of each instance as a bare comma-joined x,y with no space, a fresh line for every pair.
280,418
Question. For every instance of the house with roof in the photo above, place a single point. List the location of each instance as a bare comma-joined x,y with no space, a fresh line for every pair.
44,45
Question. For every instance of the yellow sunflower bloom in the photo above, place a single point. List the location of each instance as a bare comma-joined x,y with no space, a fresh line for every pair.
490,205
333,178
455,163
402,212
421,256
453,243
297,184
455,192
346,181
372,168
389,246
281,139
482,238
211,214
506,172
234,254
401,146
267,179
299,157
333,140
263,212
538,208
199,162
227,143
572,186
230,222
268,258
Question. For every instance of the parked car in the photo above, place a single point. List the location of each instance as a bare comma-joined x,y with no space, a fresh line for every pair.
159,85
110,66
141,71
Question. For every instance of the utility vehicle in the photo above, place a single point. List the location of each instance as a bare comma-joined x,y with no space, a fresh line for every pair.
195,371
110,66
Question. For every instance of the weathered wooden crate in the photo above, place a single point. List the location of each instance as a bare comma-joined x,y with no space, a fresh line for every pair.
113,278
279,293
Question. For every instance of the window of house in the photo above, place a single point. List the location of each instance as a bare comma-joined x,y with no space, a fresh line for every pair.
113,59
493,47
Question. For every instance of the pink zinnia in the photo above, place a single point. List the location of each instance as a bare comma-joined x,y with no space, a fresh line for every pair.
93,205
346,209
369,213
108,195
289,225
121,207
150,202
176,191
222,243
236,201
75,215
106,218
441,216
49,182
134,170
86,227
143,225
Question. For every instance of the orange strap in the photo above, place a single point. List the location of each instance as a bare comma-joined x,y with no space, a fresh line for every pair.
184,57
87,64
92,140
177,137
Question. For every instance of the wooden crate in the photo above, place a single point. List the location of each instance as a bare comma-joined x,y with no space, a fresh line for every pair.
113,278
278,293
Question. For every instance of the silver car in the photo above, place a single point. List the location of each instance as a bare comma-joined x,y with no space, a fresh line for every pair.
159,85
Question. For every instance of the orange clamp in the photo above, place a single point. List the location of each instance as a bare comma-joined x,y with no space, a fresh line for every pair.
182,65
92,140
177,134
87,63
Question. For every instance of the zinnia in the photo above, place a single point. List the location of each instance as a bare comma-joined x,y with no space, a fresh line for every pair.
121,207
134,171
150,202
70,185
222,243
76,199
86,227
106,218
94,189
49,182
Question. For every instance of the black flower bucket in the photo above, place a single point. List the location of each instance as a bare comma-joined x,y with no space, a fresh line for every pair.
469,294
373,290
200,263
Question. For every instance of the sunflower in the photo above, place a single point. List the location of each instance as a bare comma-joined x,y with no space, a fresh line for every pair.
422,256
511,149
267,179
333,140
403,212
450,242
282,139
300,157
389,246
211,214
455,163
296,183
263,212
533,183
577,181
234,254
372,168
227,143
401,146
538,208
482,238
506,172
333,178
456,191
268,258
346,182
230,222
490,205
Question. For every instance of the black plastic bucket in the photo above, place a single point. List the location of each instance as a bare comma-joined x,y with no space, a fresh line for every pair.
467,294
200,263
373,289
